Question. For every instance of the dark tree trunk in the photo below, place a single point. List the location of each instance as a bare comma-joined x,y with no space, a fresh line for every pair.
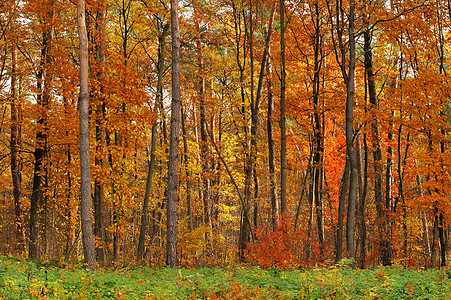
350,150
283,138
45,73
171,243
341,211
15,158
443,245
435,237
318,139
271,156
99,126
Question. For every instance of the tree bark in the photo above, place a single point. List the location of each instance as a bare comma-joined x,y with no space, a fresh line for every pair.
318,139
283,138
350,150
171,243
99,124
275,213
83,105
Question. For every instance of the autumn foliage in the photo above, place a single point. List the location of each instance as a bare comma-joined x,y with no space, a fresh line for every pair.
278,248
358,166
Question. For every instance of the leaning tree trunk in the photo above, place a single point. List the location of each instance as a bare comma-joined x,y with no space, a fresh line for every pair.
83,104
171,243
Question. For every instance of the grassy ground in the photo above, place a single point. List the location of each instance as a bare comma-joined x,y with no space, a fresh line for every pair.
34,280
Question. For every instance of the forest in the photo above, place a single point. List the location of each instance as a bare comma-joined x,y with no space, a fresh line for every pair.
288,133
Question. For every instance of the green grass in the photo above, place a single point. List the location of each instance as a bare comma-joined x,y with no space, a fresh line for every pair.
36,280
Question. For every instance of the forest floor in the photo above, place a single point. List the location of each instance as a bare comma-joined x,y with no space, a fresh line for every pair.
23,279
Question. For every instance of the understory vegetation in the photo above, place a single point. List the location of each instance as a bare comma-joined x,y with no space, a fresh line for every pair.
25,279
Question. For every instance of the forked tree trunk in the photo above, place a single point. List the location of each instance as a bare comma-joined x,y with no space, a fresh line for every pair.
83,103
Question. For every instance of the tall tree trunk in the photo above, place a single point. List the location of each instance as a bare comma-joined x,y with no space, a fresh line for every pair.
45,74
382,217
350,150
171,243
151,162
204,152
255,110
83,104
318,139
362,205
14,145
283,138
99,124
271,156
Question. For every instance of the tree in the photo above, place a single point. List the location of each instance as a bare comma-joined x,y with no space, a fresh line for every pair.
44,86
83,106
171,242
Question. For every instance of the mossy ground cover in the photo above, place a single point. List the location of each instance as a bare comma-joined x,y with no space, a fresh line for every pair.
38,280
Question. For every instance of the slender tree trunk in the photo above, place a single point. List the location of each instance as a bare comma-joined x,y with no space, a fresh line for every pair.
14,145
83,103
318,146
189,205
151,162
99,124
43,98
350,150
424,222
401,167
341,211
271,156
204,153
443,245
435,237
362,206
283,138
171,243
